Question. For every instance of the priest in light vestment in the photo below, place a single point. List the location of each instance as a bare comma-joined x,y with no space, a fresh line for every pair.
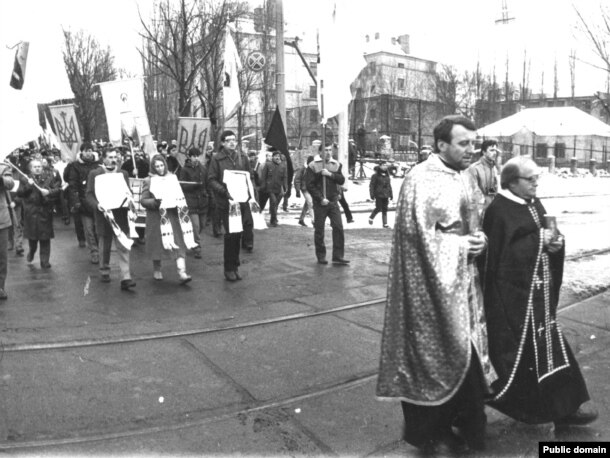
434,356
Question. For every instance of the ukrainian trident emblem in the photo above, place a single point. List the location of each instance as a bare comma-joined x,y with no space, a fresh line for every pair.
66,129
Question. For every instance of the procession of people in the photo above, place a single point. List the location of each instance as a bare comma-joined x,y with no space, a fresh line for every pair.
474,273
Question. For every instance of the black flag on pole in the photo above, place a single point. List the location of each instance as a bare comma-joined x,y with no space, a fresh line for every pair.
18,75
276,137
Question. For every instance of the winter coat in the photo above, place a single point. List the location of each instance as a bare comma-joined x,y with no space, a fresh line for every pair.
152,234
275,178
102,226
76,174
381,185
220,162
38,209
196,195
6,183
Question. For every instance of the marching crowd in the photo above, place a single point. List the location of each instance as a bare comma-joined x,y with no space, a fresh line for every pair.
179,201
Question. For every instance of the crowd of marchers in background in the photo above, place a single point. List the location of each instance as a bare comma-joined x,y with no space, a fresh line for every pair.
45,188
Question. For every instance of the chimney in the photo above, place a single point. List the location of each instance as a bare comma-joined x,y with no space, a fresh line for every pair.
403,40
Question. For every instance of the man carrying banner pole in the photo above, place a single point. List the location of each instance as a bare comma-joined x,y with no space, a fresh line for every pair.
111,218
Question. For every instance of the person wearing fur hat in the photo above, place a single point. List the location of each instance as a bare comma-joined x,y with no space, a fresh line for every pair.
168,227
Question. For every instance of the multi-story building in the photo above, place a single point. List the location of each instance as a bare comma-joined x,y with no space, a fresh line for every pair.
395,95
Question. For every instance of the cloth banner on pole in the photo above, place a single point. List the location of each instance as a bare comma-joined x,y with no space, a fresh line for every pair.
21,56
232,65
192,133
67,129
276,137
125,110
339,64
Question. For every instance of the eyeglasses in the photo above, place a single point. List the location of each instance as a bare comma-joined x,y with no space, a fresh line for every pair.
532,179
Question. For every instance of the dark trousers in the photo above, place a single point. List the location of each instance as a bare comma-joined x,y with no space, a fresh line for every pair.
3,255
345,206
274,203
45,249
78,227
381,205
263,197
332,212
233,242
465,410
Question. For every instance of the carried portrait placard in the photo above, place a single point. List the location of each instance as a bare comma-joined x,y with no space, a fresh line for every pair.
167,189
238,185
112,191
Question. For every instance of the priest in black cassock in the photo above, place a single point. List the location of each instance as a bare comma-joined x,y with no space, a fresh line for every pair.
539,379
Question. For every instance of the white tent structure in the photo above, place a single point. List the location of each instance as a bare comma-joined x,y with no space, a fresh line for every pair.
559,131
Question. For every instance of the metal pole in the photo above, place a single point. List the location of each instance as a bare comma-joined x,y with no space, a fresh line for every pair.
279,61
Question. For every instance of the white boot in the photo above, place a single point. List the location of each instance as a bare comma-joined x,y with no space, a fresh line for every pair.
157,275
181,265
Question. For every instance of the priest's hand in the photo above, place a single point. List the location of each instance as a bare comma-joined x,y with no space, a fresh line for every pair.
476,243
556,244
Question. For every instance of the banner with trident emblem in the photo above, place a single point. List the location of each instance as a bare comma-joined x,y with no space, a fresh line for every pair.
192,133
68,133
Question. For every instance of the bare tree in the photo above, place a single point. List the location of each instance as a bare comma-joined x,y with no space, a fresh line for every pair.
572,63
87,64
555,79
525,77
598,34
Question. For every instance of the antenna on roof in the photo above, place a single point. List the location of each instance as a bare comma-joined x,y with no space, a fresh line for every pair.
505,19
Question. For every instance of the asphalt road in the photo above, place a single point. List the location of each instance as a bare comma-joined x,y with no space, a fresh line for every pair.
282,363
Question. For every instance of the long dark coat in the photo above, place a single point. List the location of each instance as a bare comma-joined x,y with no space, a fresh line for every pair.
38,210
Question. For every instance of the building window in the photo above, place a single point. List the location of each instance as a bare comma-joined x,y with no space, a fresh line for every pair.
373,113
313,66
313,92
376,35
372,66
313,115
401,65
541,150
401,83
359,93
560,150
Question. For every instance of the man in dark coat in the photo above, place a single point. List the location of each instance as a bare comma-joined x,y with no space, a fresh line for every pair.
108,219
39,193
275,181
76,175
228,158
193,179
539,379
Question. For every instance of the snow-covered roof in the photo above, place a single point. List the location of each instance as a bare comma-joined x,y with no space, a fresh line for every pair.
547,122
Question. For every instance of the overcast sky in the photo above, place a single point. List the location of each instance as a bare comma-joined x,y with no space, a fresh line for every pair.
448,31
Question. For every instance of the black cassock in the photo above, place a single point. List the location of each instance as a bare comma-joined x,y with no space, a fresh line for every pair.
539,379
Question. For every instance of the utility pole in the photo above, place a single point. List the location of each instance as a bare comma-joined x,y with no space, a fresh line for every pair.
280,76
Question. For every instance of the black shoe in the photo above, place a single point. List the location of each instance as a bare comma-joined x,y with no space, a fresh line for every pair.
3,295
19,252
249,248
237,276
197,255
582,416
82,244
447,444
273,224
341,262
127,284
230,275
105,278
45,265
30,257
302,223
322,261
350,220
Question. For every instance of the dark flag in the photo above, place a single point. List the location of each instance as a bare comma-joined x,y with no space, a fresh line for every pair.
18,75
276,137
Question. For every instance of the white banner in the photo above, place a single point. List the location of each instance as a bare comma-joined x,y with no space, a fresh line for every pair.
68,133
125,110
192,133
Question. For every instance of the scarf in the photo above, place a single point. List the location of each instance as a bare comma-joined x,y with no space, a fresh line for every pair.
169,191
